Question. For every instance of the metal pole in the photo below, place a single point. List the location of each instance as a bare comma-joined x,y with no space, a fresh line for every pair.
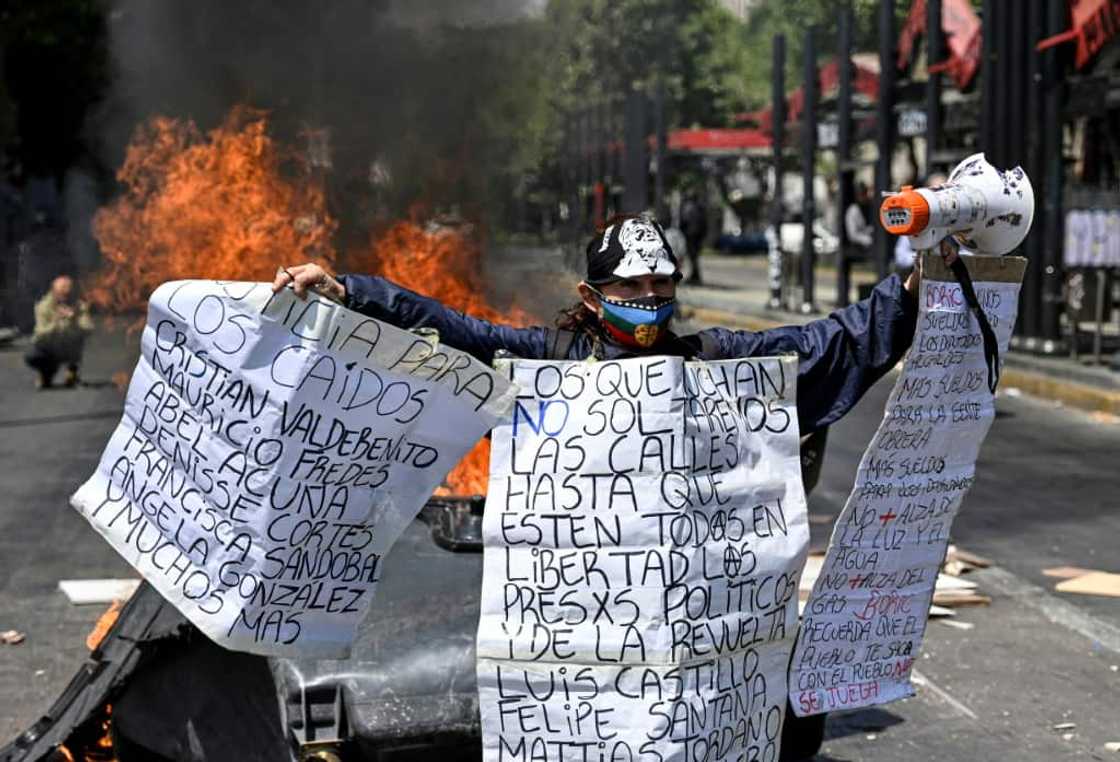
808,167
885,128
568,177
618,129
1053,70
1029,65
1102,281
598,163
635,167
586,168
778,134
935,52
988,75
844,152
997,148
660,208
1016,87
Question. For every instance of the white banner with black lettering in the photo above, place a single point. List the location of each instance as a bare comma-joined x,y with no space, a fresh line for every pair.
644,533
271,452
866,616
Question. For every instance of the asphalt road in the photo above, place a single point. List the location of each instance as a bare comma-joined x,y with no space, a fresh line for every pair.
50,442
1045,496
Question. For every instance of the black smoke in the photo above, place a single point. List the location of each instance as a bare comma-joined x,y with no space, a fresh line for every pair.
402,87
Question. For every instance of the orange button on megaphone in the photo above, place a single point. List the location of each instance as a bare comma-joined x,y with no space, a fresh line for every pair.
905,212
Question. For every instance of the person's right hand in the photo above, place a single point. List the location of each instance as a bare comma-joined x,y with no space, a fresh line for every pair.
310,276
949,250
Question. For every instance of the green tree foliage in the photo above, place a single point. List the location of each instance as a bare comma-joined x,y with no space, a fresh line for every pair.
695,51
695,48
712,65
792,18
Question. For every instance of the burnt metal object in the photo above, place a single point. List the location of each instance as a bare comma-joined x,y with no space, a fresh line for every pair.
146,618
456,522
315,715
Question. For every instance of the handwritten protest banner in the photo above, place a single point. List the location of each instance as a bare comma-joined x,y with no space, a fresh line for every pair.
644,533
270,453
865,619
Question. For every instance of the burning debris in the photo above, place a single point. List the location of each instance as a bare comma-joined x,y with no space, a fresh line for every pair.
227,204
233,204
443,262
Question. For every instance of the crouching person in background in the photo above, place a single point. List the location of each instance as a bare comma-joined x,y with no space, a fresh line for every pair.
62,323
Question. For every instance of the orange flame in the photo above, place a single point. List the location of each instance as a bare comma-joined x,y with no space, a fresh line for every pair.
232,204
221,205
443,262
93,741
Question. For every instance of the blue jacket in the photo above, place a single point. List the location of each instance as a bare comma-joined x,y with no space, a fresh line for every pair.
841,355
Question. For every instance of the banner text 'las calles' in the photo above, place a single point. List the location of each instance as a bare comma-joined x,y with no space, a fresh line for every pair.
644,534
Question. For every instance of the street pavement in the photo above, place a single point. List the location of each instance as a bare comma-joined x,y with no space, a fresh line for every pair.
50,442
1045,496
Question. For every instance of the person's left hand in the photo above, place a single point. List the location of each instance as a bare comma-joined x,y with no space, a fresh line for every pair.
949,250
309,277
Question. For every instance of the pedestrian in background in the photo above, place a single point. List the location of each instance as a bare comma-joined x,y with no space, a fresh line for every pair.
694,225
856,224
62,323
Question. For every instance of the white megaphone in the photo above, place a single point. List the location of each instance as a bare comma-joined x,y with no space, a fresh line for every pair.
987,211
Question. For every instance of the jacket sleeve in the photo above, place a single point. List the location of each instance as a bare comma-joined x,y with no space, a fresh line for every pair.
46,316
384,300
841,355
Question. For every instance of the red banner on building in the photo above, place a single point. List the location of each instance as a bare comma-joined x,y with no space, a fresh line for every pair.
1095,22
717,140
961,27
864,80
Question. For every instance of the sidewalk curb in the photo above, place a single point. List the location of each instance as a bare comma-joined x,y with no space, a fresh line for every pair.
1071,393
730,319
1040,385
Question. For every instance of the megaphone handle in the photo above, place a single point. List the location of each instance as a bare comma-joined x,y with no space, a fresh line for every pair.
991,347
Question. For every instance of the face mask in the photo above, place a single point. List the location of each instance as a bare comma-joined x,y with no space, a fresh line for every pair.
636,322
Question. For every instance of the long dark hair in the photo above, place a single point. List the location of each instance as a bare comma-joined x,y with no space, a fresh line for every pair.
578,319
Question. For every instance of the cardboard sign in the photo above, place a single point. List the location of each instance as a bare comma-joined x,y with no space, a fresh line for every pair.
864,622
644,533
271,452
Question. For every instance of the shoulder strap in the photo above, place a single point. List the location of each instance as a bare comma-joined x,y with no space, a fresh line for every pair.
991,346
559,344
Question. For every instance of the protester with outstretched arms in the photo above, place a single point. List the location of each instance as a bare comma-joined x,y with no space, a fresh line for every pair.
626,304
